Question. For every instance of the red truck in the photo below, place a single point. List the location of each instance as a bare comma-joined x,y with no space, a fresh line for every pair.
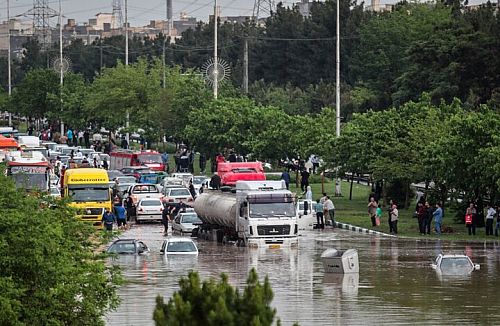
230,172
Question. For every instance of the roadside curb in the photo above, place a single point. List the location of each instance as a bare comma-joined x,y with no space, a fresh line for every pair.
355,228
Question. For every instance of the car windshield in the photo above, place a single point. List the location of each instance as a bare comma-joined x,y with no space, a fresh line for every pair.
113,174
179,192
199,180
190,218
145,189
150,158
181,246
86,193
455,264
150,203
31,181
126,180
272,209
122,248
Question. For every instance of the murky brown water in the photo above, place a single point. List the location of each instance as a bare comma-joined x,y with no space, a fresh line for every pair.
395,285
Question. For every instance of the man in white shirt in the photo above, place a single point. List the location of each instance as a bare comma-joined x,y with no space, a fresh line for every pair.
490,215
329,208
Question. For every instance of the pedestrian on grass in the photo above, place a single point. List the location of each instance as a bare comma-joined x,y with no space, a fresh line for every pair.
490,216
329,208
438,218
470,219
389,211
372,210
319,215
108,219
428,218
394,219
378,216
421,213
304,180
309,194
323,199
285,176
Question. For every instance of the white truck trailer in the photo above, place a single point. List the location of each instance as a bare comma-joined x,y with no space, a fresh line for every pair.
254,213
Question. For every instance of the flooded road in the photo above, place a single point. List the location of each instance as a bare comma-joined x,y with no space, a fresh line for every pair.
395,285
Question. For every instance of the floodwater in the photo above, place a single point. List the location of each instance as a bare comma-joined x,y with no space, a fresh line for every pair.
395,285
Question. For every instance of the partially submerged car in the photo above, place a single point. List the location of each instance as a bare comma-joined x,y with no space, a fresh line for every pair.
128,247
179,246
454,265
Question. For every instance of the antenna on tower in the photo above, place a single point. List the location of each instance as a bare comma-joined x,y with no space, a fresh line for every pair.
42,13
263,8
117,20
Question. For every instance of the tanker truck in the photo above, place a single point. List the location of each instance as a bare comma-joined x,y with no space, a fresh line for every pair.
254,214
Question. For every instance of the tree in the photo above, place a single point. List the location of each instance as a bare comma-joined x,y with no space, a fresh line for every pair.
49,272
217,303
32,98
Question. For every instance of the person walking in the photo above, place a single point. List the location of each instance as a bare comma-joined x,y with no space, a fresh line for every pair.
438,218
120,213
329,209
285,176
215,181
309,194
86,138
372,210
497,226
318,207
490,215
164,219
192,191
108,219
129,205
470,219
394,219
378,216
304,180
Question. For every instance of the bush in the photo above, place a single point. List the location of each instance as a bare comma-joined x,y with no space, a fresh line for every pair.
217,303
49,274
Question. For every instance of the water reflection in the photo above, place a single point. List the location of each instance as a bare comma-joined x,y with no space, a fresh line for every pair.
395,283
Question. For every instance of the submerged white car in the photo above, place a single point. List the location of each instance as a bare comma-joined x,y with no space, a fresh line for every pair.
454,265
179,246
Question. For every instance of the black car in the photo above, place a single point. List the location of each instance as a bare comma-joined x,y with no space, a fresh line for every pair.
128,247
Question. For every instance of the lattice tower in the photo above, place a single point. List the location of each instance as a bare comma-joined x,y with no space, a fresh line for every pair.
263,8
41,13
117,20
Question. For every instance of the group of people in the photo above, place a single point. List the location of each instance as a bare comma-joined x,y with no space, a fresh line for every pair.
324,208
118,215
425,213
492,216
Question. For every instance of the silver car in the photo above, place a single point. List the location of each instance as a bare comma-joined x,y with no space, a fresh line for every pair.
185,222
149,209
179,246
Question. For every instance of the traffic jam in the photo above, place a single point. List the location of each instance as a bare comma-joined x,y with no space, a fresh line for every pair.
125,188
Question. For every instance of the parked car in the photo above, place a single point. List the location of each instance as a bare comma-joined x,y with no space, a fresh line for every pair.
149,209
198,181
185,177
128,247
175,195
306,216
454,265
185,222
125,179
179,246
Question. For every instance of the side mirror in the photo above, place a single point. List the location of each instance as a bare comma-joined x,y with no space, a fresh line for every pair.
477,267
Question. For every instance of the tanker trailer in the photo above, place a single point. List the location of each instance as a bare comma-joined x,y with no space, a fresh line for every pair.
254,213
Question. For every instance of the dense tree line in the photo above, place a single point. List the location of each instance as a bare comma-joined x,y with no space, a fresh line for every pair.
387,58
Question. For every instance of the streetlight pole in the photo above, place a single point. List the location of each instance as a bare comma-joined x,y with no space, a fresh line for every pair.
337,83
9,59
216,63
164,41
61,72
127,122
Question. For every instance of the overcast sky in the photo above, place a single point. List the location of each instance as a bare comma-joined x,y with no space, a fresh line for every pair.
142,11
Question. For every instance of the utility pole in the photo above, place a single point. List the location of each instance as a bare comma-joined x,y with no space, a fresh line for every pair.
338,188
164,41
216,62
337,82
9,59
127,122
245,67
61,72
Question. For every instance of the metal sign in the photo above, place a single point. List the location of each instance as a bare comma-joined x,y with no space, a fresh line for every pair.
28,169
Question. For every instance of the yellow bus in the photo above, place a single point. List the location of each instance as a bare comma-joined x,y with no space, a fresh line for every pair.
89,191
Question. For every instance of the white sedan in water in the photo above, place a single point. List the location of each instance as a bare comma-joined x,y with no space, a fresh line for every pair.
179,246
185,222
149,209
454,265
